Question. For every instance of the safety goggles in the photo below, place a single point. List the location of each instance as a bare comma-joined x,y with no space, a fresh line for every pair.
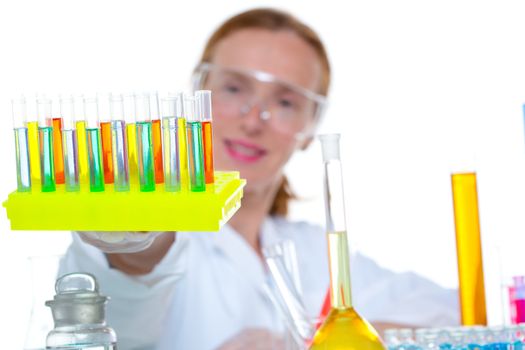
286,107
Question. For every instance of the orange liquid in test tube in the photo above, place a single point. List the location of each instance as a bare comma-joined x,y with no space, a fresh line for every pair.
207,140
157,151
468,244
107,155
58,155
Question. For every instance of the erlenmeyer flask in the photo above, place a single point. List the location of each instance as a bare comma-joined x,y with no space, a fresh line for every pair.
343,328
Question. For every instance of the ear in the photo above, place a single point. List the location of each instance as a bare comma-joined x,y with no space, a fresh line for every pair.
303,144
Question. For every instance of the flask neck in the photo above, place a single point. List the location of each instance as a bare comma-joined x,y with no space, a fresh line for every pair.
339,263
338,250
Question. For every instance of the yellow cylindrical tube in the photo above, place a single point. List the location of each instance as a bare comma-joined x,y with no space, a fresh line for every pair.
34,153
468,245
131,134
183,152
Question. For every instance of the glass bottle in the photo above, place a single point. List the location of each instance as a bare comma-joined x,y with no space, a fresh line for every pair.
343,328
79,315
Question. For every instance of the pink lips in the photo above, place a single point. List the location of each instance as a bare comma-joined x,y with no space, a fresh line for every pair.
243,151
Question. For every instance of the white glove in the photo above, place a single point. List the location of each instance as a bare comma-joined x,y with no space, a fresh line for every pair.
119,242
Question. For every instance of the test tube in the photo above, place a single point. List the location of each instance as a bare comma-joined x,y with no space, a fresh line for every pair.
131,134
171,108
105,134
119,144
96,167
69,143
34,148
23,168
183,145
45,140
468,244
195,149
58,152
144,144
157,137
80,125
203,98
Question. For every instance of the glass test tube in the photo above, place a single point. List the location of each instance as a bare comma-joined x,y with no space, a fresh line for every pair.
144,144
203,98
69,144
131,135
58,151
23,168
171,109
119,144
105,134
195,149
80,125
468,245
93,144
157,137
34,147
45,141
183,145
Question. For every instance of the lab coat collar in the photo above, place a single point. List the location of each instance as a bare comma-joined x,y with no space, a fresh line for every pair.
270,233
245,260
234,246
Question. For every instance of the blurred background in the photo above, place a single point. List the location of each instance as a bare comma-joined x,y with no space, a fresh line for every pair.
420,88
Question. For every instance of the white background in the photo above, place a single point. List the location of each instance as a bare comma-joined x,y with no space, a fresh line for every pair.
418,87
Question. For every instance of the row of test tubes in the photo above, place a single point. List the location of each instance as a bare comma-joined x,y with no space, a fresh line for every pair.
457,338
115,139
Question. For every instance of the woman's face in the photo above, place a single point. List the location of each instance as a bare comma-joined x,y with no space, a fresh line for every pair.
243,141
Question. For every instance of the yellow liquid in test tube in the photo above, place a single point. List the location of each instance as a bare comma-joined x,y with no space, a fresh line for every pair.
183,152
34,153
343,328
468,244
83,170
131,134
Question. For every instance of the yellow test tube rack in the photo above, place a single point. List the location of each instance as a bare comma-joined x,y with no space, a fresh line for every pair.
127,211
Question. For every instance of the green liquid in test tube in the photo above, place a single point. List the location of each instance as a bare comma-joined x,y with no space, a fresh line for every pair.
94,146
144,144
23,172
45,140
195,147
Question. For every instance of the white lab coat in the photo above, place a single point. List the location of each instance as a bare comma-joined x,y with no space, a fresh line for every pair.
209,286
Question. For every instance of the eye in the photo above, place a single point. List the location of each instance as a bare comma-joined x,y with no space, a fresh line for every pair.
232,89
286,103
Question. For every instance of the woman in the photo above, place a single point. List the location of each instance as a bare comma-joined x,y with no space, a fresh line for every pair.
269,74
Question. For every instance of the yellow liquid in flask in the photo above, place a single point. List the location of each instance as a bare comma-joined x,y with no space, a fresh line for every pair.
343,328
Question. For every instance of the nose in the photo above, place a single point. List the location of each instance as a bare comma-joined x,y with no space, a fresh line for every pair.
253,118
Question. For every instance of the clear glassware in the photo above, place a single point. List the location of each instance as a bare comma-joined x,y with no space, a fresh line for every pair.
43,273
79,315
343,328
283,289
